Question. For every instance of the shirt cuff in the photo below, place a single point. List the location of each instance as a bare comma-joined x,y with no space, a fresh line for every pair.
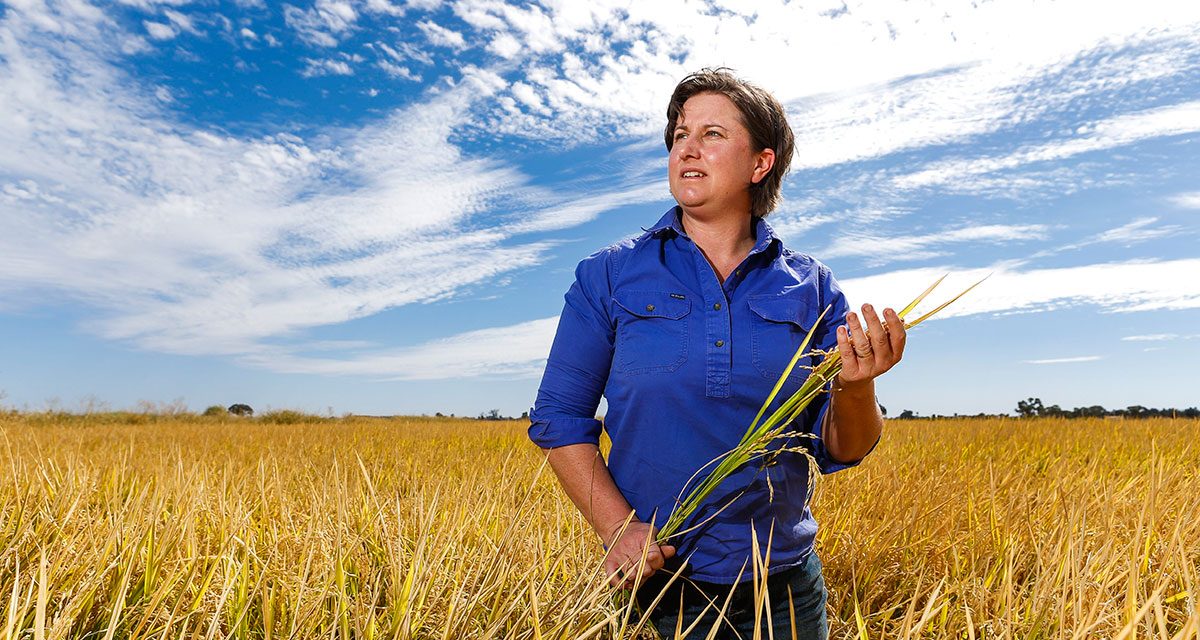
825,462
560,431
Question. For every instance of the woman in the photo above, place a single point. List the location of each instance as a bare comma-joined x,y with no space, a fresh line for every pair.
685,330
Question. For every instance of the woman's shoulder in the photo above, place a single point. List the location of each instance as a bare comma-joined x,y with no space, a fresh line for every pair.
610,259
803,263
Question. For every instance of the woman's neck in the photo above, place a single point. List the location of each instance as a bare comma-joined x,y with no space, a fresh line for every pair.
725,241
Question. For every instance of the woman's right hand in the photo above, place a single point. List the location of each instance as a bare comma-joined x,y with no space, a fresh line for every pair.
625,553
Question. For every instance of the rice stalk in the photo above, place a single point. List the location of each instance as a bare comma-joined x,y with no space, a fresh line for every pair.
756,443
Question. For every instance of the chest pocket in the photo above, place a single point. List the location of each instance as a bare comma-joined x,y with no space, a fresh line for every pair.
652,331
777,328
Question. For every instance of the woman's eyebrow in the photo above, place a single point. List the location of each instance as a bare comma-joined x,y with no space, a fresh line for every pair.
702,126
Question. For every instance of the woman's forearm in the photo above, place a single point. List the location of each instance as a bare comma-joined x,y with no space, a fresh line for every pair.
853,422
585,478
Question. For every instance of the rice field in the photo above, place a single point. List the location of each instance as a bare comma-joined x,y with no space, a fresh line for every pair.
143,526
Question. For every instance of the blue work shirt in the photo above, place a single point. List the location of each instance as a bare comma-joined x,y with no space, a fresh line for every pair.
685,362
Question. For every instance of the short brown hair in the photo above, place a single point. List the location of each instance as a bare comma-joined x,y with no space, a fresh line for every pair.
763,117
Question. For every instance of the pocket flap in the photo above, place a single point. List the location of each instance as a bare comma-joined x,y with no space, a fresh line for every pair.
779,309
653,304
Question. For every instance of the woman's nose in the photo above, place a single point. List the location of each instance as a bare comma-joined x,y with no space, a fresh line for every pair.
686,148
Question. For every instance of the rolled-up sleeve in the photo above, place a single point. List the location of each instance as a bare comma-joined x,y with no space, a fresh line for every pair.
826,340
564,412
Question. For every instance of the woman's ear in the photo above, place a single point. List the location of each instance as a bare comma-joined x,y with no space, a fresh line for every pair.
762,165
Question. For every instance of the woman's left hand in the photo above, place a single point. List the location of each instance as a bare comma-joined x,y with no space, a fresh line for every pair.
869,351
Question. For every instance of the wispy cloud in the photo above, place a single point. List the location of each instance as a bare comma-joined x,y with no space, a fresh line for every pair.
1189,200
1064,360
322,24
188,241
1113,287
516,351
182,21
1159,337
1107,134
520,349
1137,231
314,68
160,31
895,77
191,240
887,249
185,240
441,36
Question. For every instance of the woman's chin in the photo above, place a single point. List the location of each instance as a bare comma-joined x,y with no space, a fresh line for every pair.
690,200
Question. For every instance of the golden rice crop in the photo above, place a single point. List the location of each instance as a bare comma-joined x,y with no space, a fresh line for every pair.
130,526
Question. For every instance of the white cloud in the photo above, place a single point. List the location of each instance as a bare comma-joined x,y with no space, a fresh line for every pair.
385,7
398,71
160,31
322,24
886,249
181,21
558,212
403,52
516,351
187,241
505,45
248,34
1064,360
1137,231
1190,200
441,36
893,75
519,350
313,68
1159,337
1114,287
1107,134
196,242
150,5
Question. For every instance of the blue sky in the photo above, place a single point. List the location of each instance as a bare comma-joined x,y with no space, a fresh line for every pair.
374,206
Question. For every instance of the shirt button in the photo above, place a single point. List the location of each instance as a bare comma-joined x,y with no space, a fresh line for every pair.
720,343
649,307
717,307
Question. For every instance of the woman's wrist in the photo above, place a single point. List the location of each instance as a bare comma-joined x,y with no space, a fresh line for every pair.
856,388
611,532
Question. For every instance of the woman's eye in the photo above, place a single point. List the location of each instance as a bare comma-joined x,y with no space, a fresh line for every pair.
680,135
713,134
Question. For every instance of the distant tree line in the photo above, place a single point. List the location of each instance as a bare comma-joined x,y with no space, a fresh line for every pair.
1035,408
494,414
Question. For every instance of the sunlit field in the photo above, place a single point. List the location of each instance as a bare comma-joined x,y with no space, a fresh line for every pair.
134,526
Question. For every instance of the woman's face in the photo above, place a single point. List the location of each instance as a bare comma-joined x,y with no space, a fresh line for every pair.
713,161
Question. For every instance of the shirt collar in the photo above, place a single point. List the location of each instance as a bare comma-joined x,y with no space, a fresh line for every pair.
763,233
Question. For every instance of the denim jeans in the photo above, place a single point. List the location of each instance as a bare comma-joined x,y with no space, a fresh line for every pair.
805,582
